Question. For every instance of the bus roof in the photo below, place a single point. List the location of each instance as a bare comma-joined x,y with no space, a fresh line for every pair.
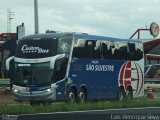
45,35
76,36
96,37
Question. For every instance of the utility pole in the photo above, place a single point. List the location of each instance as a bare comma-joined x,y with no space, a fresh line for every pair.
10,16
36,17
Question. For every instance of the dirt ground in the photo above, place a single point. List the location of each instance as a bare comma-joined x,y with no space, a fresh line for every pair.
6,97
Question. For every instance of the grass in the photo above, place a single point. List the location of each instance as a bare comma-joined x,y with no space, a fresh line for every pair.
62,107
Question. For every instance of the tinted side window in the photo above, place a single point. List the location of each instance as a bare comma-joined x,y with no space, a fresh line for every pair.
64,45
116,50
90,49
119,50
98,49
79,50
139,51
84,49
132,51
135,51
60,68
123,50
106,50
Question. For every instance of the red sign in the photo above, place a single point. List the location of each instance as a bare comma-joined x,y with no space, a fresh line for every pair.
154,29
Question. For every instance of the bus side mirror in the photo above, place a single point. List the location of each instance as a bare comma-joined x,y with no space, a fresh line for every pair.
8,62
53,60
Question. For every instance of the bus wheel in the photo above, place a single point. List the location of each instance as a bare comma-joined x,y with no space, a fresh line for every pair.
129,93
82,96
72,96
121,94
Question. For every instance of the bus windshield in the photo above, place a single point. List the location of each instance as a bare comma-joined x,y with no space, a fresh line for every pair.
32,74
36,48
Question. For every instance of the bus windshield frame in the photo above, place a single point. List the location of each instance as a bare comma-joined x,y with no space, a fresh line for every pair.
37,66
29,74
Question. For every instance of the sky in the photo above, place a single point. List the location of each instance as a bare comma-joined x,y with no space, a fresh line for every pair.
114,18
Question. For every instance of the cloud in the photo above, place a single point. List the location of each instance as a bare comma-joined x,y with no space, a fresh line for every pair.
103,17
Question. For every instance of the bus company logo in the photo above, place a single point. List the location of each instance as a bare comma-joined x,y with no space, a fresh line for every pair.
31,49
131,74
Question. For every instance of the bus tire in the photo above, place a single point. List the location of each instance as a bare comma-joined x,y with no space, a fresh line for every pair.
121,94
82,95
129,93
72,96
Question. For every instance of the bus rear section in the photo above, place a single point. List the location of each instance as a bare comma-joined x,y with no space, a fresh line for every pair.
105,68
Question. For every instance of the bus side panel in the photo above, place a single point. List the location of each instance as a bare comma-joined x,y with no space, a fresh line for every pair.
138,75
99,76
131,77
60,91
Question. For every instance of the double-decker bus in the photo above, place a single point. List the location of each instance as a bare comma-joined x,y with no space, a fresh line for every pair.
77,67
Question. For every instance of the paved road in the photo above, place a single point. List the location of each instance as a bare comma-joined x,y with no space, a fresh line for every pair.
112,114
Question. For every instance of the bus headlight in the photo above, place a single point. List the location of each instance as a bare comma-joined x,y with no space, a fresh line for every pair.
15,90
48,90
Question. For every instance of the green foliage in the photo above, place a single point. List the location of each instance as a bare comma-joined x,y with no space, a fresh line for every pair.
62,107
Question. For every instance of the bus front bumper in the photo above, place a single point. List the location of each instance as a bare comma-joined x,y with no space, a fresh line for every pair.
45,95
